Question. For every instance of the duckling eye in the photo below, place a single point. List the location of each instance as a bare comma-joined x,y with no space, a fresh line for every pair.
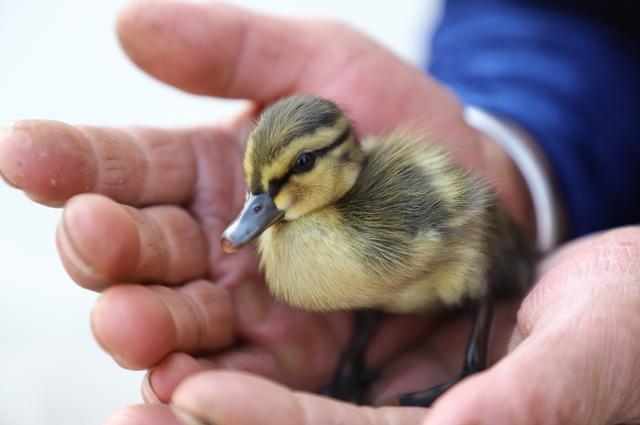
304,163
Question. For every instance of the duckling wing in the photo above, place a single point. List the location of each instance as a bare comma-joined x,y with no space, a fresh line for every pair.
413,214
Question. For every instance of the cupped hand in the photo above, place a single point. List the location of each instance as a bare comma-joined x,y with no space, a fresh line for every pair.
144,208
572,359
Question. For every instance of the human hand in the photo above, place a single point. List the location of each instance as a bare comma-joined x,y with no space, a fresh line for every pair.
573,360
169,194
574,354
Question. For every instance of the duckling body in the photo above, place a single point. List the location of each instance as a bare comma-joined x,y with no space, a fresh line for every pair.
392,225
410,236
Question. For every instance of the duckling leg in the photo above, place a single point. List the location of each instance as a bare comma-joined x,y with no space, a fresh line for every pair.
475,358
352,379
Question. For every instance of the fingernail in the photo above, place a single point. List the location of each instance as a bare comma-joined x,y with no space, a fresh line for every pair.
187,418
148,393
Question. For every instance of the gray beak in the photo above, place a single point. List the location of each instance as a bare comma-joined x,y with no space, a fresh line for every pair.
258,213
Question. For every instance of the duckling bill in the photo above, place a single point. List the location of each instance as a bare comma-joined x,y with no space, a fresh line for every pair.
390,224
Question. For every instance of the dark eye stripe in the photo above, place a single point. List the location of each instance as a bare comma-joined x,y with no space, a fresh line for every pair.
339,140
276,184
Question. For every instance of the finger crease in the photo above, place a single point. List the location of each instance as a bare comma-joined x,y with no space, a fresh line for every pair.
199,314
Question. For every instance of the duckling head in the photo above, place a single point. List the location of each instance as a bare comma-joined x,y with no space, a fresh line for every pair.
302,156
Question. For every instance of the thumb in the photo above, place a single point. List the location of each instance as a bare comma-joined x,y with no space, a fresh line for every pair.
231,398
536,384
578,363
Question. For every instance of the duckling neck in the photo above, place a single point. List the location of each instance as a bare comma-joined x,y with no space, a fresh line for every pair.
364,161
354,161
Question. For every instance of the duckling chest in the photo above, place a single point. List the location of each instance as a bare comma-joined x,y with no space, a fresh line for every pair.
314,263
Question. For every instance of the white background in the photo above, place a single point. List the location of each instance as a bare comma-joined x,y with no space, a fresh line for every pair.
61,60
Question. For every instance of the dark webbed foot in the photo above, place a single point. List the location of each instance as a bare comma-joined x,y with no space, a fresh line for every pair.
475,358
427,397
350,385
352,380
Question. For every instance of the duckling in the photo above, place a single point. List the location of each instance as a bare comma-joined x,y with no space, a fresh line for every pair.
389,224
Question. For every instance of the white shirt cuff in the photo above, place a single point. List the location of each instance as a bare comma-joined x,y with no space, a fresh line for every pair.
532,165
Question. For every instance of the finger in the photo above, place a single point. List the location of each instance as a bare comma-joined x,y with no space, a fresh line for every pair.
566,251
578,362
102,242
296,348
138,326
590,271
156,414
284,365
214,48
217,49
52,161
223,398
543,381
160,381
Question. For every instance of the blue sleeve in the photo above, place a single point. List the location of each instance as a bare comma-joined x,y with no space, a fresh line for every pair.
570,79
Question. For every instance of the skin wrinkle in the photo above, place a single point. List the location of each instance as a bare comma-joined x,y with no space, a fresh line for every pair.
104,182
622,400
229,316
171,247
623,333
93,155
609,337
190,238
157,290
595,274
201,317
586,375
238,184
584,269
207,204
145,175
545,401
153,241
190,194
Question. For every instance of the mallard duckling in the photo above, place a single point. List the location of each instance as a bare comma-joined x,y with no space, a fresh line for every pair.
390,224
